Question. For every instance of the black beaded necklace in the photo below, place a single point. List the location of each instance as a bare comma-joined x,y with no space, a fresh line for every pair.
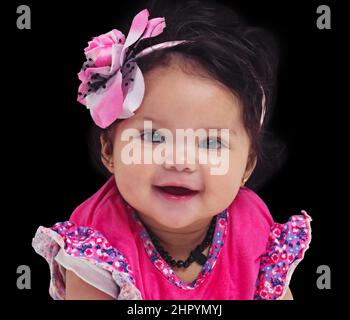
195,255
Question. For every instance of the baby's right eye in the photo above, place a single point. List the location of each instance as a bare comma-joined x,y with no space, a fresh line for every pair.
152,136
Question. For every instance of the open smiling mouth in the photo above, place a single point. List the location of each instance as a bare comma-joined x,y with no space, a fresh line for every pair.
176,193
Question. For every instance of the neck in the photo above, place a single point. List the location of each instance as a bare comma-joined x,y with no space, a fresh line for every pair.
178,242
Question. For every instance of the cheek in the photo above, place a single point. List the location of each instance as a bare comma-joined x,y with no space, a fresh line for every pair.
219,193
134,183
229,169
130,177
223,188
133,176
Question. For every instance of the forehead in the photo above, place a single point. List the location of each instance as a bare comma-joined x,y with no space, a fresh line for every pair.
176,96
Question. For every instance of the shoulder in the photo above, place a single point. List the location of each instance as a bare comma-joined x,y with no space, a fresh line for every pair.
249,208
107,200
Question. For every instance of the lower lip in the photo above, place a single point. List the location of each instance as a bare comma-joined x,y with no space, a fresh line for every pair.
175,198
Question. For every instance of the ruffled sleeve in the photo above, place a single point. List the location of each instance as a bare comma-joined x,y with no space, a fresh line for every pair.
82,246
93,275
286,247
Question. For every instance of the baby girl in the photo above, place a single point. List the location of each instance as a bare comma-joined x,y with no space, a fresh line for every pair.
181,104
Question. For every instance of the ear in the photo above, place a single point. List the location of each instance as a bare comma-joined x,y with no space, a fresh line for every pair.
107,154
251,164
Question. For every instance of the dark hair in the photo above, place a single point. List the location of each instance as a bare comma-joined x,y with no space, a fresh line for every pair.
242,57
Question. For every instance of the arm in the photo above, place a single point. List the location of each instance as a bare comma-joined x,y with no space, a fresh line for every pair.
288,295
77,289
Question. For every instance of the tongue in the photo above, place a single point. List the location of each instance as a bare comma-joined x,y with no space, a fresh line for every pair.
178,191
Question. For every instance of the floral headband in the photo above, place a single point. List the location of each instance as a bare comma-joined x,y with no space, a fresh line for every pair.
112,85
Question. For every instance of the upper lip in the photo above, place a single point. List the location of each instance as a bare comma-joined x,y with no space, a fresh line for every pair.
177,184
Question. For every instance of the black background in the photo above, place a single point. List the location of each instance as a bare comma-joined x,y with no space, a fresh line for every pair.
47,171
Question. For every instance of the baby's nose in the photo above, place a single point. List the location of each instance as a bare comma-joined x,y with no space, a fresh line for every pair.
181,157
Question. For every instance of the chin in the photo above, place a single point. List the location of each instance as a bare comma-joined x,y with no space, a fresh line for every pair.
176,224
176,219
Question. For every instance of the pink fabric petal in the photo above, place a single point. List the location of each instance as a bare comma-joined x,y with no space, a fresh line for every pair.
106,104
101,47
154,28
106,39
117,35
116,52
134,95
126,114
96,42
138,25
102,56
81,98
91,44
84,75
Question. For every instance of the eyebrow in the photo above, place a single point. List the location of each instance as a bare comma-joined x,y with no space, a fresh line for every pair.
232,131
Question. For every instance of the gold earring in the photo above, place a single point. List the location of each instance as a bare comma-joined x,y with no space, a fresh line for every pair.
244,181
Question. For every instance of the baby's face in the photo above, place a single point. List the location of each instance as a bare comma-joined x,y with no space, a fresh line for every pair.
176,100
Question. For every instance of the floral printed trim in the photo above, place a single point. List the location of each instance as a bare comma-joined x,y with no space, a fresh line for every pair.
84,243
166,270
286,248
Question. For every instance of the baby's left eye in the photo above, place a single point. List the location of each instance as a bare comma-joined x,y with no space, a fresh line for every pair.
211,143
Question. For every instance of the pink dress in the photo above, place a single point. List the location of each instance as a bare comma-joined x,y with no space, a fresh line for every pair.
104,242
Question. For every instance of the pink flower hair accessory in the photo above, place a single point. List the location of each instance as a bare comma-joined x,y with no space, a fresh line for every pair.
112,85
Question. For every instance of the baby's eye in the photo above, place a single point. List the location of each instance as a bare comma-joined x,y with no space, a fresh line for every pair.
152,136
211,143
